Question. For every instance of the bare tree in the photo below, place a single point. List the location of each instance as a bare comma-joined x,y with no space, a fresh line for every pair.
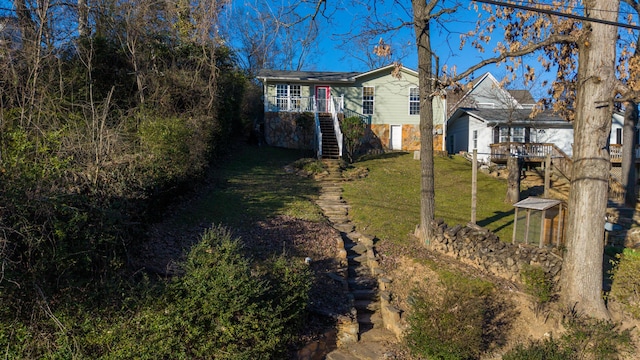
271,36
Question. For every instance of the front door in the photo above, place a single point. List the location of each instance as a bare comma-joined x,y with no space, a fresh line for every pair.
323,96
396,137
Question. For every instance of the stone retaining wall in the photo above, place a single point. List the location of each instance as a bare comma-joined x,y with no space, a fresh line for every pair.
483,249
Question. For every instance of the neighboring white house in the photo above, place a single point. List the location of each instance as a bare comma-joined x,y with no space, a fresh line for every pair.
499,123
490,130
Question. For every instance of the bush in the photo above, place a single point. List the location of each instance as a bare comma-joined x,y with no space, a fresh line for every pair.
222,308
538,284
547,349
591,338
165,142
450,326
310,166
626,281
353,129
585,338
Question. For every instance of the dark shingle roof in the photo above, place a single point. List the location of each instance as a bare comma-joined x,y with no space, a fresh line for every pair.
518,117
522,96
328,76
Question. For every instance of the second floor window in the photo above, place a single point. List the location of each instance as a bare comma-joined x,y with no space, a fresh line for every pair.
414,101
367,100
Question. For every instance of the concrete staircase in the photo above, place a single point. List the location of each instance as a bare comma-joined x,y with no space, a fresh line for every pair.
330,149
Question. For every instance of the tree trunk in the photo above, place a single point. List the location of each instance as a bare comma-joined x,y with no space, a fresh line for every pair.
581,279
83,18
629,142
421,14
513,180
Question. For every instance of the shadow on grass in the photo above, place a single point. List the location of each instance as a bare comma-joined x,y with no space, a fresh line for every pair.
498,215
387,155
253,185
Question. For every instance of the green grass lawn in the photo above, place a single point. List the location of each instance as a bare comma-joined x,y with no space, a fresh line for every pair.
252,185
387,202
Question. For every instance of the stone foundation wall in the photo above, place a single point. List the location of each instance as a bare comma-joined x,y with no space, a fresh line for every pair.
410,137
483,249
290,130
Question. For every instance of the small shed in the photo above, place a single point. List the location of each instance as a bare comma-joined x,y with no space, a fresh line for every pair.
539,221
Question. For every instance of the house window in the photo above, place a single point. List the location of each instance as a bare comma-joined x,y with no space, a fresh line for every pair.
475,139
619,136
504,134
517,134
288,96
367,100
414,101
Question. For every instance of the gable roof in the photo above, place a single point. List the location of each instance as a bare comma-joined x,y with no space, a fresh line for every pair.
460,99
388,68
523,97
517,117
323,76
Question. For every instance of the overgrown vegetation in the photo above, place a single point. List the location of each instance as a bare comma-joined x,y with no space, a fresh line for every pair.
585,338
450,325
538,285
626,281
223,307
100,129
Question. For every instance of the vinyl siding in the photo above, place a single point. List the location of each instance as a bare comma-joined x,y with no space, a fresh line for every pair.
391,101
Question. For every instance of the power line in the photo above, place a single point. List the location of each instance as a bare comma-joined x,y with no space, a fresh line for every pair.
559,13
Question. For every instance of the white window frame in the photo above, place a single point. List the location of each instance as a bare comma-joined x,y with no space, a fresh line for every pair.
414,101
288,96
372,101
518,134
475,139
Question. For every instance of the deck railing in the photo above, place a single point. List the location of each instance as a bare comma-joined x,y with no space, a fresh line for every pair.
559,160
501,151
615,153
533,152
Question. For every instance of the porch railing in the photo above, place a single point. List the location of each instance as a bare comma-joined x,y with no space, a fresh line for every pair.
318,135
615,153
303,104
334,107
501,151
290,104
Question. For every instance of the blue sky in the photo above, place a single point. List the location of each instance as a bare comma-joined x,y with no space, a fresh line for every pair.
445,41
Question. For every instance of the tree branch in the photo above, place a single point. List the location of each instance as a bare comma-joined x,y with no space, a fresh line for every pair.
555,39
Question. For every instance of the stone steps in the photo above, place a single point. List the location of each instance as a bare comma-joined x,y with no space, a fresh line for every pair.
363,336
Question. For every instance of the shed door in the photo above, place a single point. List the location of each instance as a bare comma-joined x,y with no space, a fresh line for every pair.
396,137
